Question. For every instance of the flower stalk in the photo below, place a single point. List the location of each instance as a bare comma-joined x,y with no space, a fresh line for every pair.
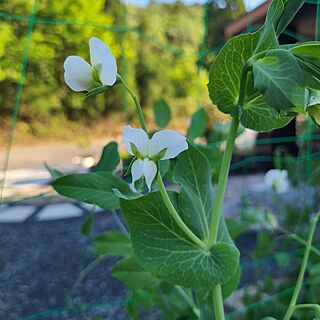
176,216
136,101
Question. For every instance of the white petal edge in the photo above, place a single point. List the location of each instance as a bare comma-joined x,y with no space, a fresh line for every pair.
171,140
136,136
103,60
78,74
149,171
271,176
136,171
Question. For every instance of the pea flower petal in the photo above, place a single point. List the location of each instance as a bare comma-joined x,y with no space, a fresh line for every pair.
169,140
165,144
103,61
136,171
78,74
149,171
135,137
81,76
277,180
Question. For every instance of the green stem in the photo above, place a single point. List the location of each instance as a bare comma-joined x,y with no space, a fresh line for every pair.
300,240
136,101
222,183
218,302
307,306
297,289
215,220
176,216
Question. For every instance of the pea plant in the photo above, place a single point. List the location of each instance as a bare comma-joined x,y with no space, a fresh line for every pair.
178,248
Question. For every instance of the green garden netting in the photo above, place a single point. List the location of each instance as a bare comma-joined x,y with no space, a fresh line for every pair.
32,20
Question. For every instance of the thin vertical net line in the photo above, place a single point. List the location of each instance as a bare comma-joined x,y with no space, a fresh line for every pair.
18,96
125,67
202,48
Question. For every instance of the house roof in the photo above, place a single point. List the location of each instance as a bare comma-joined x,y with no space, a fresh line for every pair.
252,18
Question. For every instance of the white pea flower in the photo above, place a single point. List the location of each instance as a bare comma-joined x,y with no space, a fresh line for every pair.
277,180
79,75
164,144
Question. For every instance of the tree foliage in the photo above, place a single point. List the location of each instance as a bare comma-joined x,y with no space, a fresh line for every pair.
158,48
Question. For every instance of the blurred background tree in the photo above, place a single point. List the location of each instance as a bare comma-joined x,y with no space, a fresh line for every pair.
157,48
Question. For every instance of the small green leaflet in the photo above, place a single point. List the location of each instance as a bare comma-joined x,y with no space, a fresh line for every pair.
279,78
114,243
109,159
290,9
258,116
162,113
309,51
280,14
198,124
226,70
130,272
87,224
94,188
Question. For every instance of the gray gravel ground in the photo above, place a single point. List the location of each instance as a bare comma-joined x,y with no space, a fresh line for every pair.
40,262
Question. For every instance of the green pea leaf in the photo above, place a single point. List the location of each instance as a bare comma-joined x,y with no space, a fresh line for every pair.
130,272
94,188
308,55
280,14
198,125
258,116
162,113
87,224
109,159
112,242
290,9
195,203
279,78
225,72
164,250
55,173
229,287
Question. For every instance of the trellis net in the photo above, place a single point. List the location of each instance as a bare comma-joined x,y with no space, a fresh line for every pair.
308,138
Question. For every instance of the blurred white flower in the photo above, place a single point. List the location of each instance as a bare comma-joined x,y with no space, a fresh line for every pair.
277,180
79,75
164,144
